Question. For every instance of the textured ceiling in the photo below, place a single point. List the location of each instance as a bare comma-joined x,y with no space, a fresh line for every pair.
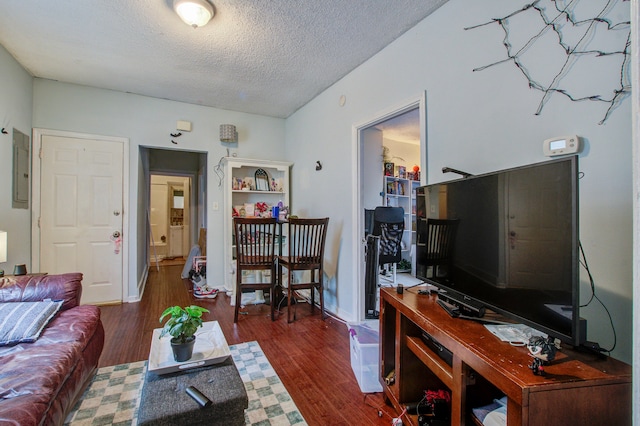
402,128
267,57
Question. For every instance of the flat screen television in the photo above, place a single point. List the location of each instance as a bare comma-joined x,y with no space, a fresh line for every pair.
515,243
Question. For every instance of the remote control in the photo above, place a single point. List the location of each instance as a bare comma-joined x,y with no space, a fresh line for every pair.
198,396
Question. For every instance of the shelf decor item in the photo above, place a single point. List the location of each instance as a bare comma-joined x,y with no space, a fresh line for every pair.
416,172
182,326
248,184
402,172
389,169
262,180
261,209
391,188
249,209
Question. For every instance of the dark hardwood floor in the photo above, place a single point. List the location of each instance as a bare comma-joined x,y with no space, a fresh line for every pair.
310,356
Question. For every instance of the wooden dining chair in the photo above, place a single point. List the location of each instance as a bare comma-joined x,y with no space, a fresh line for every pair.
306,253
441,236
255,251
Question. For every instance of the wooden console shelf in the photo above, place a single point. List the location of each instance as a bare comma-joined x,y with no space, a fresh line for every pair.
578,388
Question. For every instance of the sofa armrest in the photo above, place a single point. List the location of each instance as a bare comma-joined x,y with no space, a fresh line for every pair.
34,288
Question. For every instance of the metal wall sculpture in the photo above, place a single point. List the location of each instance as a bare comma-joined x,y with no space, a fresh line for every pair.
577,38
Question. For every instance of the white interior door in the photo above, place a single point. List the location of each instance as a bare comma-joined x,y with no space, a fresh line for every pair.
187,217
159,213
81,213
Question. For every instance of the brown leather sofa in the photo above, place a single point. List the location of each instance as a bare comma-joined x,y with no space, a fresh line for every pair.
41,382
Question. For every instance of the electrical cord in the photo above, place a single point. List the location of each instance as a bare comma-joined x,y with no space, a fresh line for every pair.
585,265
414,285
397,421
379,408
219,169
299,299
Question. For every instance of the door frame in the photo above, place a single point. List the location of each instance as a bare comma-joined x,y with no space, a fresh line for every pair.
38,134
358,271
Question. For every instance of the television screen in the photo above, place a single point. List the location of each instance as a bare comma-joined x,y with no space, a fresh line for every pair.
512,246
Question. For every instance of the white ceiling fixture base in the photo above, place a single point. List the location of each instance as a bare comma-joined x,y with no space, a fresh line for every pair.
195,13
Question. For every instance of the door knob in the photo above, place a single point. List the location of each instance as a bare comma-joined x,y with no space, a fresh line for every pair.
117,240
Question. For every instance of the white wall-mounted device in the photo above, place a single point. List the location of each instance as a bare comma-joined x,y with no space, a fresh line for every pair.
183,125
561,145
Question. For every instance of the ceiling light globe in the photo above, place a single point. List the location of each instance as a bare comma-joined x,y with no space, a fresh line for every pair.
195,13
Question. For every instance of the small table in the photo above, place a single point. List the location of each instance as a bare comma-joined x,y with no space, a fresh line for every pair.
164,400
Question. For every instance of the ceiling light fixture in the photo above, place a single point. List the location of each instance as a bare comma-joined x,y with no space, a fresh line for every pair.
195,13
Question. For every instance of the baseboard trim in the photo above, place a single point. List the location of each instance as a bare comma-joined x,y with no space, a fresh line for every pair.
142,283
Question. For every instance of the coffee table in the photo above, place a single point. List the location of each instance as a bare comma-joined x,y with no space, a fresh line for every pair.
164,400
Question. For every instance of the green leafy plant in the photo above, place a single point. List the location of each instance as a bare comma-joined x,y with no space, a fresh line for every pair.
183,322
404,265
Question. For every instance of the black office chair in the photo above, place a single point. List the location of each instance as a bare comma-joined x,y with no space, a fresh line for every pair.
368,222
441,236
388,224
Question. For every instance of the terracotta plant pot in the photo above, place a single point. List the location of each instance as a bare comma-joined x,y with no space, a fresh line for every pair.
183,351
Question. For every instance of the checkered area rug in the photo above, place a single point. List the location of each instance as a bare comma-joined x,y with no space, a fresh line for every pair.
114,395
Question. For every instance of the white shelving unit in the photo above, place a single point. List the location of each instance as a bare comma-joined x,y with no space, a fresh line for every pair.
400,192
241,196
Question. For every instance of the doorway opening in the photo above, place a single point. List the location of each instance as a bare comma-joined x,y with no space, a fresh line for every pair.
175,203
169,217
395,139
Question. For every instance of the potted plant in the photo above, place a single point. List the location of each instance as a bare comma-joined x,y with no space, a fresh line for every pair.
182,326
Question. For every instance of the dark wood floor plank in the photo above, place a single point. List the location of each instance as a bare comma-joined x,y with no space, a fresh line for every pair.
310,356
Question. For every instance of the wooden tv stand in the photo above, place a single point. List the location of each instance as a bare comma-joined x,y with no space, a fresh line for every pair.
578,388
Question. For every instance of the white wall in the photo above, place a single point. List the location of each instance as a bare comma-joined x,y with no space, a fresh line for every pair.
477,122
635,101
403,153
148,122
372,168
16,94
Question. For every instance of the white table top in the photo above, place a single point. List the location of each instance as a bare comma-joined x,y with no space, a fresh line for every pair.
210,348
